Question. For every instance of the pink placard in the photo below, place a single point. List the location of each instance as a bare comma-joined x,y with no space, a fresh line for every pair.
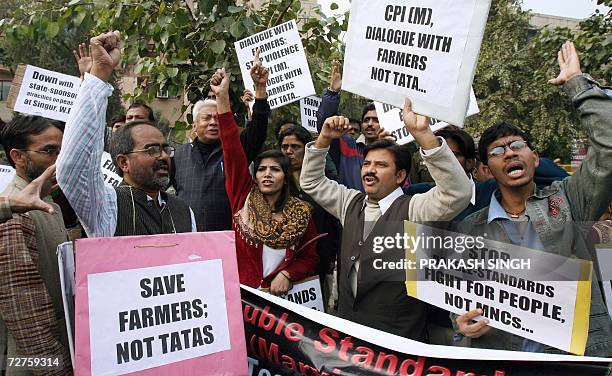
175,261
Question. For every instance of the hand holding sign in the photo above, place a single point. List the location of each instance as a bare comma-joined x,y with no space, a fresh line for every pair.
83,59
280,284
105,52
335,84
469,329
418,126
333,128
385,135
30,198
569,63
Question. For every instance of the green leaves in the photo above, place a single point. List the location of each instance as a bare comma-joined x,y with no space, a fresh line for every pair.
52,30
237,29
217,46
172,72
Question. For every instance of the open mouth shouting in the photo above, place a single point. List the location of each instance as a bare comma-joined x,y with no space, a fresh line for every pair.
515,169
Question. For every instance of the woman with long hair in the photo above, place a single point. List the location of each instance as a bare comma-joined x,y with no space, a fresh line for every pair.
275,233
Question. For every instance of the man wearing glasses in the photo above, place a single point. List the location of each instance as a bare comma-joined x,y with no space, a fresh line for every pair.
139,206
30,294
549,218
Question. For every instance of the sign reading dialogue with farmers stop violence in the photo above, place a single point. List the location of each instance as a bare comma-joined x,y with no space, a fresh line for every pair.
46,93
281,51
159,304
423,49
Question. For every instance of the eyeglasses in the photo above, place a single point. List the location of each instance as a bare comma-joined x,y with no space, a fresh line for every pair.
47,152
501,150
155,150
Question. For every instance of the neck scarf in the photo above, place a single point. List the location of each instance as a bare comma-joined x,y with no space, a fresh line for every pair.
255,219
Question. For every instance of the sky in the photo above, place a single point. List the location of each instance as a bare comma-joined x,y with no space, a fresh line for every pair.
565,8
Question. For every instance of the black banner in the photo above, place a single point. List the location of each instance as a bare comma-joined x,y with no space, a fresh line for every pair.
282,342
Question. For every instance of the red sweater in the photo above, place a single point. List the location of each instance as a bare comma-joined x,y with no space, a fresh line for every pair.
300,260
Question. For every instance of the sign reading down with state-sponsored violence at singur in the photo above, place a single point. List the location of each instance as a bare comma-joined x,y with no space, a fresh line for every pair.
281,51
46,93
423,49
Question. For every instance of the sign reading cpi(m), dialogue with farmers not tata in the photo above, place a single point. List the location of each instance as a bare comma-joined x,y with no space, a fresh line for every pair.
159,304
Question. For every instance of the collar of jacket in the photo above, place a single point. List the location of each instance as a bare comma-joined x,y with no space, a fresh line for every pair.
539,193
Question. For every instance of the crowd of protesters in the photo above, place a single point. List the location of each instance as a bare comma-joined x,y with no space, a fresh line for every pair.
311,206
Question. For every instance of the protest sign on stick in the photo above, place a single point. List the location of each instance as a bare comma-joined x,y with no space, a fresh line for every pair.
281,51
308,112
534,294
169,302
37,91
425,50
390,118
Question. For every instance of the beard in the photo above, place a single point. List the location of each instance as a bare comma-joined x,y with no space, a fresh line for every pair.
32,171
147,179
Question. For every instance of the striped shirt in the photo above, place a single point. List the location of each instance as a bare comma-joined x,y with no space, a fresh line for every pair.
78,164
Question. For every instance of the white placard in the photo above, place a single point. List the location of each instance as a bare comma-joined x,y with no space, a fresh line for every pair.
308,112
47,93
390,118
7,173
109,170
423,49
537,295
281,51
65,262
307,293
148,317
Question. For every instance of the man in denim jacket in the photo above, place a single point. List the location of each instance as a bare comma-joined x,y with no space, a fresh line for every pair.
549,218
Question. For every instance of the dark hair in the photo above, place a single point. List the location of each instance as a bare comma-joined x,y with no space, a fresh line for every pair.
298,131
121,141
149,109
401,153
355,121
16,134
117,119
289,188
462,138
368,107
498,131
281,123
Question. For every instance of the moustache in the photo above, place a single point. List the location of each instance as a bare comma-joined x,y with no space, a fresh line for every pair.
159,164
370,174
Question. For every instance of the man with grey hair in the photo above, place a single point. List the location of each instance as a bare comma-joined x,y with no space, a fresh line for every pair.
139,206
197,171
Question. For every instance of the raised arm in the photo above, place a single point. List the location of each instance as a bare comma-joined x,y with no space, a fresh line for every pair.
238,181
588,189
453,191
254,136
78,164
332,196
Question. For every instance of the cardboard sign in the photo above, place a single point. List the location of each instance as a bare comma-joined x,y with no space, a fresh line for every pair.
308,112
422,49
533,294
43,92
65,262
165,302
306,293
111,177
281,51
7,173
390,118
